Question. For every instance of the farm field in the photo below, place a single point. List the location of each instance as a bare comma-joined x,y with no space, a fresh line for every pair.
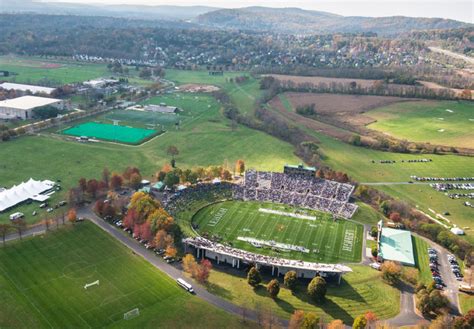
326,241
114,133
360,291
443,123
43,281
52,72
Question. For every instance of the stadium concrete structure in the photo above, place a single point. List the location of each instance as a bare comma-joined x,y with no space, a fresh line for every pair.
279,266
395,245
299,170
24,89
30,190
22,107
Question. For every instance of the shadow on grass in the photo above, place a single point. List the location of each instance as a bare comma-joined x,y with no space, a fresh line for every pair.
284,305
219,291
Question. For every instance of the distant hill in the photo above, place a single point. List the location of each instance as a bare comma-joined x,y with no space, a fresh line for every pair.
125,11
295,20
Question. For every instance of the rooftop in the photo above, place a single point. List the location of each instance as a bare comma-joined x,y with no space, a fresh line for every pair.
22,87
28,102
396,245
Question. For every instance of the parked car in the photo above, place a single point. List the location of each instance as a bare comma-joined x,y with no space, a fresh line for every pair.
43,205
49,209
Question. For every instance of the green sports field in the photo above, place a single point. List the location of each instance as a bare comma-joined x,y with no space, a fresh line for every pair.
327,241
444,123
115,133
42,286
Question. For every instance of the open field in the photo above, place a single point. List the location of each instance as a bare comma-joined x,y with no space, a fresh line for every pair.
466,302
43,279
316,80
327,241
360,291
443,123
114,133
36,70
204,138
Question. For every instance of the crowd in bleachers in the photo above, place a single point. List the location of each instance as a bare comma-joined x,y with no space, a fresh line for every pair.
249,257
442,179
313,193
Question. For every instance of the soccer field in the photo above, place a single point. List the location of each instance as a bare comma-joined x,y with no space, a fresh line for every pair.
323,239
121,134
42,286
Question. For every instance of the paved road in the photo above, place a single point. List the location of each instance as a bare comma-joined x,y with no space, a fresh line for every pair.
172,271
407,315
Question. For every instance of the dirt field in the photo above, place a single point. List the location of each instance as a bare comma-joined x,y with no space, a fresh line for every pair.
299,79
198,88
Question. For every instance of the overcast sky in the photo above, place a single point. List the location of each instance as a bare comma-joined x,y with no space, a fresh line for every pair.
462,10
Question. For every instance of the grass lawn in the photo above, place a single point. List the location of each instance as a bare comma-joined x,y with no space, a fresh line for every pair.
43,279
360,291
466,302
326,240
36,70
422,261
444,123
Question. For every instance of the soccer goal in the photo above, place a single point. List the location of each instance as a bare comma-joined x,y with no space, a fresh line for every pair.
131,314
95,283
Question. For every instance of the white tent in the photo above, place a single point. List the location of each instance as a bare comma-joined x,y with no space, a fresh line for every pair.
20,193
457,231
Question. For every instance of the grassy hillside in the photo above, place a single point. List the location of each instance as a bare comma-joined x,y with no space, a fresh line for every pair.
43,279
443,123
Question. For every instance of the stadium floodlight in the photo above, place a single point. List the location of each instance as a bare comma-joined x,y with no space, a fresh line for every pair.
131,314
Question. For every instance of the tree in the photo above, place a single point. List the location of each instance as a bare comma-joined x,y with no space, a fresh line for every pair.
203,271
189,263
83,185
290,280
135,180
4,229
106,176
395,217
431,301
171,179
92,187
371,319
310,321
72,215
253,277
465,321
273,288
360,322
391,271
443,321
20,225
171,251
116,181
317,288
240,166
145,73
336,324
172,151
296,319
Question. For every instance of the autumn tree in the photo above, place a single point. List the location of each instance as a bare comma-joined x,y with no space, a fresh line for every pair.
135,180
106,176
395,217
171,251
253,277
189,263
203,271
360,322
92,187
296,319
72,215
20,226
310,321
116,181
4,229
145,231
83,185
465,321
391,272
273,288
336,324
371,319
290,280
240,166
172,151
317,288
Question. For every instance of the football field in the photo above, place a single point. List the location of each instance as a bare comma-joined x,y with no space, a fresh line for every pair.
42,283
281,230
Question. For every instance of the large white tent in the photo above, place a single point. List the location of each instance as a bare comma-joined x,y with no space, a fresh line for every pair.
31,189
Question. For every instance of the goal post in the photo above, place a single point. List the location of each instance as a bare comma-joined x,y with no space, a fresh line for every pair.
131,314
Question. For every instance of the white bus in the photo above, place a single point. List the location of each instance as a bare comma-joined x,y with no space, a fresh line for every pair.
16,216
183,284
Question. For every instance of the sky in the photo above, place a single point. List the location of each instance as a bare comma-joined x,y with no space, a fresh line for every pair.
462,10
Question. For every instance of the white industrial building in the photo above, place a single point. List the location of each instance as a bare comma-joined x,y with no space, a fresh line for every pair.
23,89
22,107
30,190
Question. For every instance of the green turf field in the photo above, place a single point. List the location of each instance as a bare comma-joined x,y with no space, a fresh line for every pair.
444,123
42,286
115,133
422,260
326,240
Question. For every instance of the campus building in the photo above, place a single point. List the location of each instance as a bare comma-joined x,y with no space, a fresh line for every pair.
22,107
395,245
25,89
